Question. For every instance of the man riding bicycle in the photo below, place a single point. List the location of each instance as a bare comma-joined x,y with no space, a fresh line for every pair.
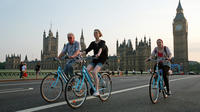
72,48
161,52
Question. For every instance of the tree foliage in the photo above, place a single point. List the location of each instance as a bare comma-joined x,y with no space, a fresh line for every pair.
2,65
195,67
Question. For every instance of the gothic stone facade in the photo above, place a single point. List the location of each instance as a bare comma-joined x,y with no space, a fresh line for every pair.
50,50
12,62
130,59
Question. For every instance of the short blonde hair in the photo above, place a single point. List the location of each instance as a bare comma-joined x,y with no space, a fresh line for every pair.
100,34
70,34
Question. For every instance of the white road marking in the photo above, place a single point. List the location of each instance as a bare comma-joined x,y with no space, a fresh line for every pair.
15,90
92,97
20,84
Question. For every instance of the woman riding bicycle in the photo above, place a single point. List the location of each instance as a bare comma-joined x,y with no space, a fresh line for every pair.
162,52
99,48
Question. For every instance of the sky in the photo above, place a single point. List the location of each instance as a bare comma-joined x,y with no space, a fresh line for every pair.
22,23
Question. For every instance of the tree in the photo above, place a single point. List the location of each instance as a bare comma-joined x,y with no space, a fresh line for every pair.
194,67
2,65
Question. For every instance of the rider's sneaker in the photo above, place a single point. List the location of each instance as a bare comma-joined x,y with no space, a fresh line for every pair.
96,94
169,93
91,91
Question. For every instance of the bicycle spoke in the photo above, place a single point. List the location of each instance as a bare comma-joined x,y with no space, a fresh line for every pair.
75,92
51,88
105,87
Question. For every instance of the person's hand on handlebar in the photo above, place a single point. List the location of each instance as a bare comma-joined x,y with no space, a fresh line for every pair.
70,57
97,55
148,59
167,58
82,53
56,59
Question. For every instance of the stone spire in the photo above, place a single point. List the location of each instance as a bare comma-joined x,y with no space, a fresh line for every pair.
57,34
82,42
50,33
144,38
179,13
179,8
26,59
44,34
82,37
136,43
117,44
149,42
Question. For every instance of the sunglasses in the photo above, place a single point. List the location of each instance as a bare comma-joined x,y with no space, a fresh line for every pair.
70,37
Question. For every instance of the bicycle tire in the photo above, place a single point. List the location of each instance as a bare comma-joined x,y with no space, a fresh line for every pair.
53,93
153,88
72,89
105,87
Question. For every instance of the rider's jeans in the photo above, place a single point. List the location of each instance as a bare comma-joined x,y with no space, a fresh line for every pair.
69,68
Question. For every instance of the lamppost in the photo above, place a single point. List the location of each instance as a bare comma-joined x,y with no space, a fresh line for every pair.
118,64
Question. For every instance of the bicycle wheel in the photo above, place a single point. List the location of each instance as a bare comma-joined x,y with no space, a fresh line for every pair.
76,91
105,87
153,89
51,87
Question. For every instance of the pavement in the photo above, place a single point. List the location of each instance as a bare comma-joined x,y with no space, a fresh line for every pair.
129,94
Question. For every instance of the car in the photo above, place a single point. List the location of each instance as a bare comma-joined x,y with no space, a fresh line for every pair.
191,73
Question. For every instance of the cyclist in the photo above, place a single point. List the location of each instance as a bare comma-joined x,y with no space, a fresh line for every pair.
101,53
72,48
162,52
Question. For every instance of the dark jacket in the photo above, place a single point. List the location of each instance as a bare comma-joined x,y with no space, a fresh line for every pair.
95,47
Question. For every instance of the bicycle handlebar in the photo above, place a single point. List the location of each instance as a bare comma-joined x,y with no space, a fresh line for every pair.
59,60
158,60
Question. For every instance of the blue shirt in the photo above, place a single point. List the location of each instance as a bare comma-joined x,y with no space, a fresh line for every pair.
70,49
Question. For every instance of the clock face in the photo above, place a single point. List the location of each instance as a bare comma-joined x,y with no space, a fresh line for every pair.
178,27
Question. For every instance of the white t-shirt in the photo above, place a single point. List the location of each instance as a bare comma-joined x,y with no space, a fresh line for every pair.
24,68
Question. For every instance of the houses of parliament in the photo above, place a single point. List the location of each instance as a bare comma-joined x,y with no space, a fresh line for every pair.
126,58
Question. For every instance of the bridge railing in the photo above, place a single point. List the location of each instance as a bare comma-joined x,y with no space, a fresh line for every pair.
16,75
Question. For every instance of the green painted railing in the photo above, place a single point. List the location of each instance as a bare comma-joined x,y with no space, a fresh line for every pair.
15,74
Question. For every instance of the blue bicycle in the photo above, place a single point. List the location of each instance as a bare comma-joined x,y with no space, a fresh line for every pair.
76,89
156,84
51,86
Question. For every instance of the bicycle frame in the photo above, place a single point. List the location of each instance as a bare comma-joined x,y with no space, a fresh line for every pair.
60,74
88,77
159,73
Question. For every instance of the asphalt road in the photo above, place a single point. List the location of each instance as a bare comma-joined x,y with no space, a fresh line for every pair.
129,94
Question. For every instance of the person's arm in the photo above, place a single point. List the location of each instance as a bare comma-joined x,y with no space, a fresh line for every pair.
61,55
99,52
153,54
77,48
169,53
102,46
89,48
63,52
25,68
75,54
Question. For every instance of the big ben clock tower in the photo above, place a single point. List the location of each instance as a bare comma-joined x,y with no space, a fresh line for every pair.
180,33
